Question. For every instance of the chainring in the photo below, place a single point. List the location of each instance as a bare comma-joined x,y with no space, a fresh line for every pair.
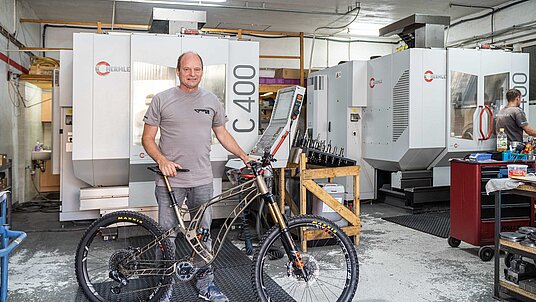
185,270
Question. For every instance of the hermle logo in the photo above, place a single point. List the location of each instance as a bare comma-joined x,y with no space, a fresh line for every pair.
104,68
373,82
429,76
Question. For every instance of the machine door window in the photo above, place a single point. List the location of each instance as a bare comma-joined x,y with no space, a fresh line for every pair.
463,92
147,80
495,87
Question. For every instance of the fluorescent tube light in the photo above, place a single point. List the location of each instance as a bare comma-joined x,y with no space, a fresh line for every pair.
181,2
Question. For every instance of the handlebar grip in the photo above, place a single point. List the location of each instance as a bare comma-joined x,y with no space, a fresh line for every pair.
156,170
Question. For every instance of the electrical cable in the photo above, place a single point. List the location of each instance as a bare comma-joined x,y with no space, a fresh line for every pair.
489,13
330,27
32,177
333,39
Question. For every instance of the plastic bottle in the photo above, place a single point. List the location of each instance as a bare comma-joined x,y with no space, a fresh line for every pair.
502,141
37,146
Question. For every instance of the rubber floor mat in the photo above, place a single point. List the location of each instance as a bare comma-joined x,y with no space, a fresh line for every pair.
232,273
437,224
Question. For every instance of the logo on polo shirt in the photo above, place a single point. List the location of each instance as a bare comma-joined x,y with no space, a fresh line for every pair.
205,111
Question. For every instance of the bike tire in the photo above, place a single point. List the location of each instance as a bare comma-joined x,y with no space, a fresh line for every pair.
279,288
137,230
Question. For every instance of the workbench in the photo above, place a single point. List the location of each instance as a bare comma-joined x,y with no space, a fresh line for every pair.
503,286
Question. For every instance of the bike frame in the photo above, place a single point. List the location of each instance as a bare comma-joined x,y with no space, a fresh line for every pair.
256,187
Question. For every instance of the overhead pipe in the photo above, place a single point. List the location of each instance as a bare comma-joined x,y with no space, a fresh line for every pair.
245,7
487,14
483,7
113,15
4,32
517,28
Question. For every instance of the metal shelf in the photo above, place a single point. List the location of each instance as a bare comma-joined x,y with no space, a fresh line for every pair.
8,167
501,285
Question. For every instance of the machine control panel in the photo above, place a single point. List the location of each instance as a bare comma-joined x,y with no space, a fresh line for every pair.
282,127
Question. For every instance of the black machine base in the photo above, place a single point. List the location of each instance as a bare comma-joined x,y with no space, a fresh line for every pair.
418,199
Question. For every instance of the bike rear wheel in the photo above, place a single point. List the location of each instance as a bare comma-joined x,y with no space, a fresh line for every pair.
331,264
112,252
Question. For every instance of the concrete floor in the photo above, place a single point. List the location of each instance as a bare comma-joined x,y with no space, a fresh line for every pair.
396,263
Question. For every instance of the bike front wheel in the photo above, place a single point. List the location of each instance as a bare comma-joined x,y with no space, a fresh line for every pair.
330,263
120,259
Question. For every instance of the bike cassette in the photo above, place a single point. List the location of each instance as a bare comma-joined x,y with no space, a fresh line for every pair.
185,270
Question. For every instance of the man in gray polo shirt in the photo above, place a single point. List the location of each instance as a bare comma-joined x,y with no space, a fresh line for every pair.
186,115
513,119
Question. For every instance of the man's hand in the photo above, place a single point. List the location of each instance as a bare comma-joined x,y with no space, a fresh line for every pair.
246,159
168,168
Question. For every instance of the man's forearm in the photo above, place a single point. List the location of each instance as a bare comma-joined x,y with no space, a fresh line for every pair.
530,131
230,144
152,149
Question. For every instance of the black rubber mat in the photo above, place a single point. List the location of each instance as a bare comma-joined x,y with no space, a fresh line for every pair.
232,273
437,224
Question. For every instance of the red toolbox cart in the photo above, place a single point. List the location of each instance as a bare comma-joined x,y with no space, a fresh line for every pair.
472,211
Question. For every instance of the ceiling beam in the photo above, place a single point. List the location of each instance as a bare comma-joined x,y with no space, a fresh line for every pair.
146,27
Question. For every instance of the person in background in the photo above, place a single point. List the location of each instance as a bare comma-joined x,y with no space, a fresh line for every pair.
513,119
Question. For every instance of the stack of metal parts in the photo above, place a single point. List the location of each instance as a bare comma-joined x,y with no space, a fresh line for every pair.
528,285
530,233
322,153
513,236
518,270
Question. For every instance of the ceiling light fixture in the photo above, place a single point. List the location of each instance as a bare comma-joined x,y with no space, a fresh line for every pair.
181,2
364,29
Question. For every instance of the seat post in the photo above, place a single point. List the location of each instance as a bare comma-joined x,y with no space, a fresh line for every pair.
174,203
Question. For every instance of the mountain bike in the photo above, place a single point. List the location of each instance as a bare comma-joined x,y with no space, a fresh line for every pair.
127,256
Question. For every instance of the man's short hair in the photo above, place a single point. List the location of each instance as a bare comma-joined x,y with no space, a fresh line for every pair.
512,94
188,52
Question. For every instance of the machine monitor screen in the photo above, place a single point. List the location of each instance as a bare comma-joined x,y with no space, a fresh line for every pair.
283,105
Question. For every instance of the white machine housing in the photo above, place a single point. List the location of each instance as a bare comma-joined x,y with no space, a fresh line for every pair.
403,124
114,77
336,97
426,106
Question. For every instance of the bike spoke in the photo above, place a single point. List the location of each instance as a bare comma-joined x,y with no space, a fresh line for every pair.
329,289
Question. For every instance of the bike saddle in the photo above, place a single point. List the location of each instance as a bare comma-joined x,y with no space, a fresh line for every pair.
156,170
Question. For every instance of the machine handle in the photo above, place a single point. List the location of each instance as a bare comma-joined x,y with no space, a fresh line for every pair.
490,127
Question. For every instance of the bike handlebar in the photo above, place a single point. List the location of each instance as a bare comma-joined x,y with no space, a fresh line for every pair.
156,170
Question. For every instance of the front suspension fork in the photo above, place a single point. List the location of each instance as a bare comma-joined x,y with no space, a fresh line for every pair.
286,239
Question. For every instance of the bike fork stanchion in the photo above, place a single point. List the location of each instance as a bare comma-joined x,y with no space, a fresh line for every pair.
6,246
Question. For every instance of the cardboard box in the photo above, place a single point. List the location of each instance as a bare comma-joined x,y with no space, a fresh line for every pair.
289,73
